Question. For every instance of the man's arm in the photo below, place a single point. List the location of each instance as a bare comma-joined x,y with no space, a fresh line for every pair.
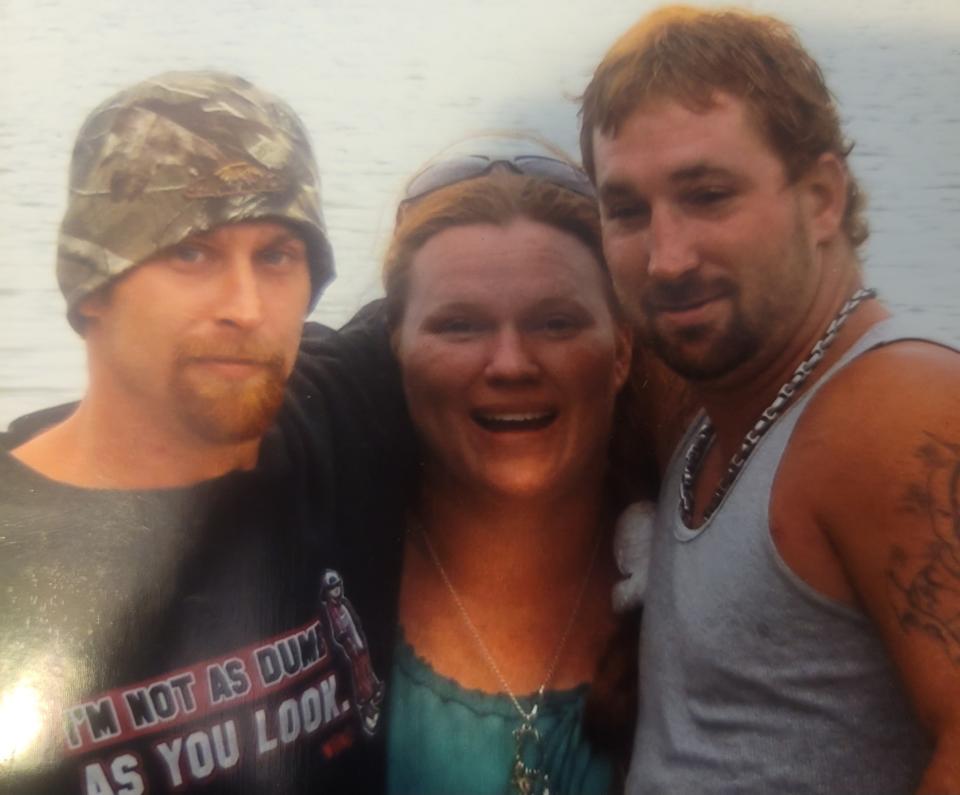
887,497
346,390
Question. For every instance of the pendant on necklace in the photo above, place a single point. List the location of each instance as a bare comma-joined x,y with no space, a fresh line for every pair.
526,777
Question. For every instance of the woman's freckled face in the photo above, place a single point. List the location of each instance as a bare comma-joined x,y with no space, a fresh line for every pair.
512,358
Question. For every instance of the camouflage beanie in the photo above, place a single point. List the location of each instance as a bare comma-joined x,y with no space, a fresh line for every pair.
181,153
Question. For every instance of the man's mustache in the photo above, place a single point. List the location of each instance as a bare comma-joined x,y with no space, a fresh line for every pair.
245,350
684,293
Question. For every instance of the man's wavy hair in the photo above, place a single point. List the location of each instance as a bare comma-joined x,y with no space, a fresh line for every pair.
688,54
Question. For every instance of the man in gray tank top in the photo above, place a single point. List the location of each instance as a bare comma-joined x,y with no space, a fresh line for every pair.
802,625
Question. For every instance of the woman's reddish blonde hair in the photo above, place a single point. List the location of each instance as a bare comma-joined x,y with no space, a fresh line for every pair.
497,198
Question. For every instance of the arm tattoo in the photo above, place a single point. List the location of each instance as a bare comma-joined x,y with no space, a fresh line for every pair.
926,587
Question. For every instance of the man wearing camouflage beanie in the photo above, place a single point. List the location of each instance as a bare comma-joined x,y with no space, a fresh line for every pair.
164,540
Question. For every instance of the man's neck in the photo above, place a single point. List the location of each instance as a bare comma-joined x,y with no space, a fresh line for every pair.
735,403
99,448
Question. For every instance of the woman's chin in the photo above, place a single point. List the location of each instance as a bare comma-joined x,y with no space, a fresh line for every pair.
528,483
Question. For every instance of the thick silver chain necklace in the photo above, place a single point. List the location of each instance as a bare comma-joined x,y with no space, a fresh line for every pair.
527,776
700,445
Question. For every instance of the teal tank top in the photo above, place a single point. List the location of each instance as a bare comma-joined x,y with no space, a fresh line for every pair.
444,739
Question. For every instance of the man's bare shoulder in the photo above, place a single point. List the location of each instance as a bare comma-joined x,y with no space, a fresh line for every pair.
876,462
900,388
862,440
906,357
863,445
871,450
856,453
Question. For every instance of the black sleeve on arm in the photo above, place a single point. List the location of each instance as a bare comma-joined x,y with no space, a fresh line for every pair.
352,461
345,415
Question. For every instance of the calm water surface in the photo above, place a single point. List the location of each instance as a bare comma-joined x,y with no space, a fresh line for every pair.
382,86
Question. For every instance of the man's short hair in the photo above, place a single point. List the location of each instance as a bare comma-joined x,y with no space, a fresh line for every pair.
688,54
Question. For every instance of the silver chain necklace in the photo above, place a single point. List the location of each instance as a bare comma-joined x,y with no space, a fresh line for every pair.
526,776
698,449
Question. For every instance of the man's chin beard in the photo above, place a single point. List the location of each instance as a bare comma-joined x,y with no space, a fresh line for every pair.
735,346
230,413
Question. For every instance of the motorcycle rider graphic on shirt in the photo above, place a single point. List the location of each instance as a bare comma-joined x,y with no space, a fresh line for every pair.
349,641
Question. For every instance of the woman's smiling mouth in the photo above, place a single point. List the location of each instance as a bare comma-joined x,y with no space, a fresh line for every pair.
512,421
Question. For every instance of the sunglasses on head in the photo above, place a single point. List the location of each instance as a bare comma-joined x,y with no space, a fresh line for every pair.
458,169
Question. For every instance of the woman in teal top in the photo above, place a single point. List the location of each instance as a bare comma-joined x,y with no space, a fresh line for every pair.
513,351
470,740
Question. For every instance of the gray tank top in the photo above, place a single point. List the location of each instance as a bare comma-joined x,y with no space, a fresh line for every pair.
751,681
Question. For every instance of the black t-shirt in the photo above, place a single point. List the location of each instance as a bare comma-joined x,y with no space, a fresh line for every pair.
232,636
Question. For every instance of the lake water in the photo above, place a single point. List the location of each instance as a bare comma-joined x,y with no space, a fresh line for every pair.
382,86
